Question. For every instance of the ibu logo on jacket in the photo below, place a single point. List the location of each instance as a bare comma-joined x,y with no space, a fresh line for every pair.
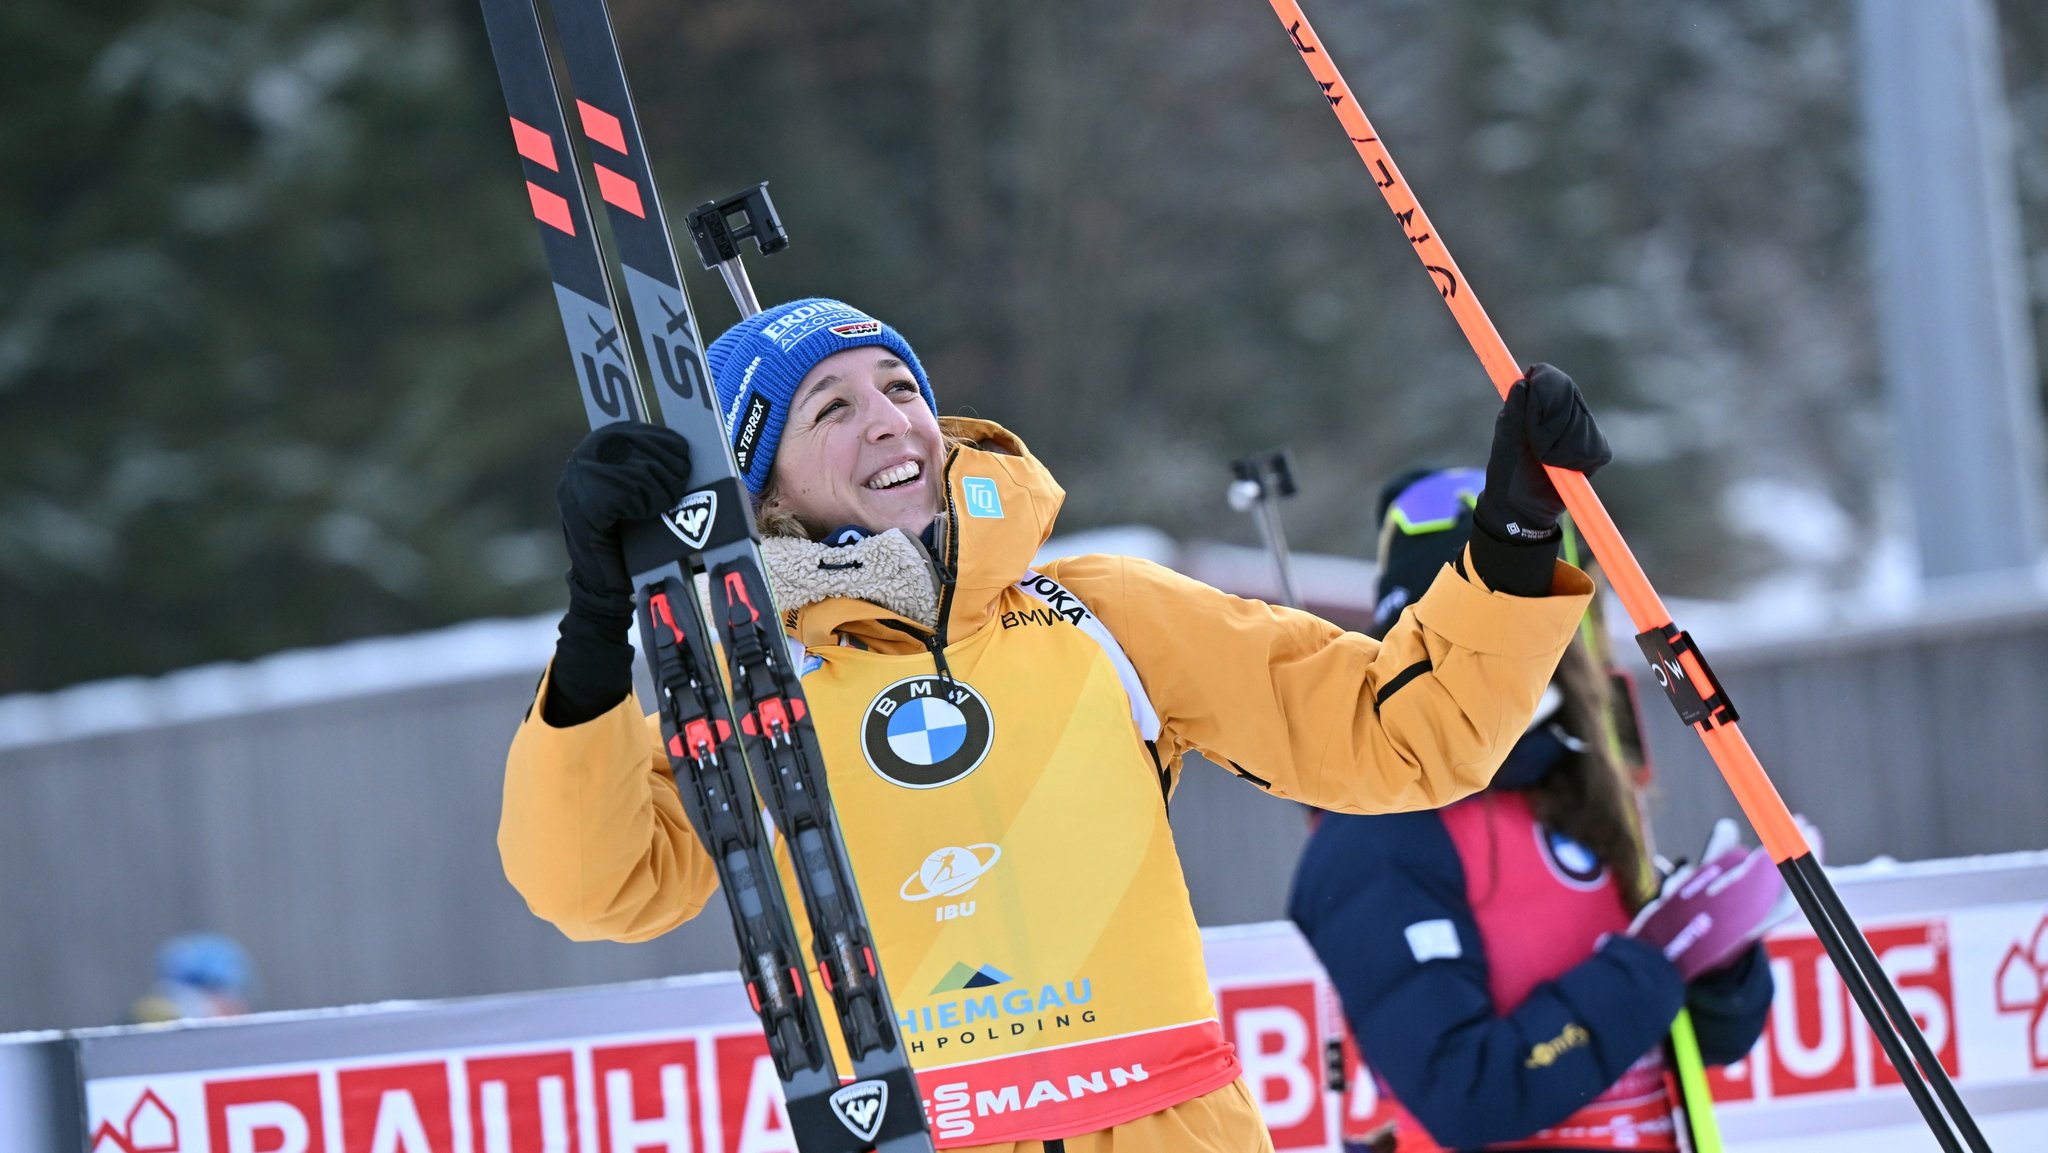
925,732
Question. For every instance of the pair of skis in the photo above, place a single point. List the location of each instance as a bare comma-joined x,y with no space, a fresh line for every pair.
722,751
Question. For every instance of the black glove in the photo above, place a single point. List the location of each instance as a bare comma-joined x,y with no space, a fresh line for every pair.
1543,421
619,473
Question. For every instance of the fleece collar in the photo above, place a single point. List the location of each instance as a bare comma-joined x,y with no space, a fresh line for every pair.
890,570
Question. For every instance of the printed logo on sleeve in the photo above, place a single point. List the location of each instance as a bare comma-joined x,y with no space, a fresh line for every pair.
1433,940
982,498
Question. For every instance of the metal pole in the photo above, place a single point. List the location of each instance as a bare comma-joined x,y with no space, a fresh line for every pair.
718,227
1261,481
1952,303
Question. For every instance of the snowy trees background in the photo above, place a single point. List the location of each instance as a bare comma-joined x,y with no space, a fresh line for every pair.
278,364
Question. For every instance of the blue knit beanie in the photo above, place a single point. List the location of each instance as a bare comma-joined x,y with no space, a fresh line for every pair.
757,364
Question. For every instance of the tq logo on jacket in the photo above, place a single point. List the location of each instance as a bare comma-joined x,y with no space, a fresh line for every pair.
925,732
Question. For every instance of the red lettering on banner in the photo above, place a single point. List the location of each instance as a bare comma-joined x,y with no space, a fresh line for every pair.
1815,1040
1365,1111
1915,957
396,1109
750,1110
523,1104
1808,1031
2021,987
1274,1029
150,1127
646,1098
265,1115
1735,1081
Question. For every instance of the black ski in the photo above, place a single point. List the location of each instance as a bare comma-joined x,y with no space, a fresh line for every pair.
718,764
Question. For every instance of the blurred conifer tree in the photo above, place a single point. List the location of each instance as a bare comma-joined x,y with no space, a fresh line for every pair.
278,364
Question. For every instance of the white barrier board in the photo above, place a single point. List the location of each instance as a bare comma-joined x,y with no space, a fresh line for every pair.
678,1067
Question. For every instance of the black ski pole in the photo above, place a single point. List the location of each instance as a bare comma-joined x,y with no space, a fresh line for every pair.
1675,659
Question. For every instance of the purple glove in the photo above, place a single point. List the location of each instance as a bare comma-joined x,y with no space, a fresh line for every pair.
1708,914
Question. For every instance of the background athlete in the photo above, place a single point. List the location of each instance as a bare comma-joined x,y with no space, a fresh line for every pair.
1504,969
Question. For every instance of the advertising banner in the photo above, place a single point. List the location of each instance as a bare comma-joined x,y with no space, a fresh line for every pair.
678,1067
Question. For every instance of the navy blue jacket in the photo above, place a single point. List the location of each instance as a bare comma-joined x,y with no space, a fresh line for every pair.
1454,1059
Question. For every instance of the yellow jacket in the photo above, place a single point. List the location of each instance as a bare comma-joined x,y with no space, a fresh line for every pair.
1041,788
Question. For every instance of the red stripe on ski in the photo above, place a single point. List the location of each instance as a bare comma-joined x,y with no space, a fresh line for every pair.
551,209
535,145
619,190
602,127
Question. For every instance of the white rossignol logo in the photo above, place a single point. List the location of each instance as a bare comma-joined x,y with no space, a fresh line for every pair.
750,431
691,520
861,1106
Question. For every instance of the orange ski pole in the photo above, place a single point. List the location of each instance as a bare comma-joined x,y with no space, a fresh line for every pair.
1675,661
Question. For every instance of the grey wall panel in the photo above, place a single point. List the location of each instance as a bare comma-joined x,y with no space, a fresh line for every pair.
41,1102
1920,743
351,843
1238,845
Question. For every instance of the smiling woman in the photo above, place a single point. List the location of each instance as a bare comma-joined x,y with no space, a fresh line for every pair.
843,433
1000,739
861,447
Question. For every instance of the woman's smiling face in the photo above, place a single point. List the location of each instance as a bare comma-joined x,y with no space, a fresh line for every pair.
860,447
